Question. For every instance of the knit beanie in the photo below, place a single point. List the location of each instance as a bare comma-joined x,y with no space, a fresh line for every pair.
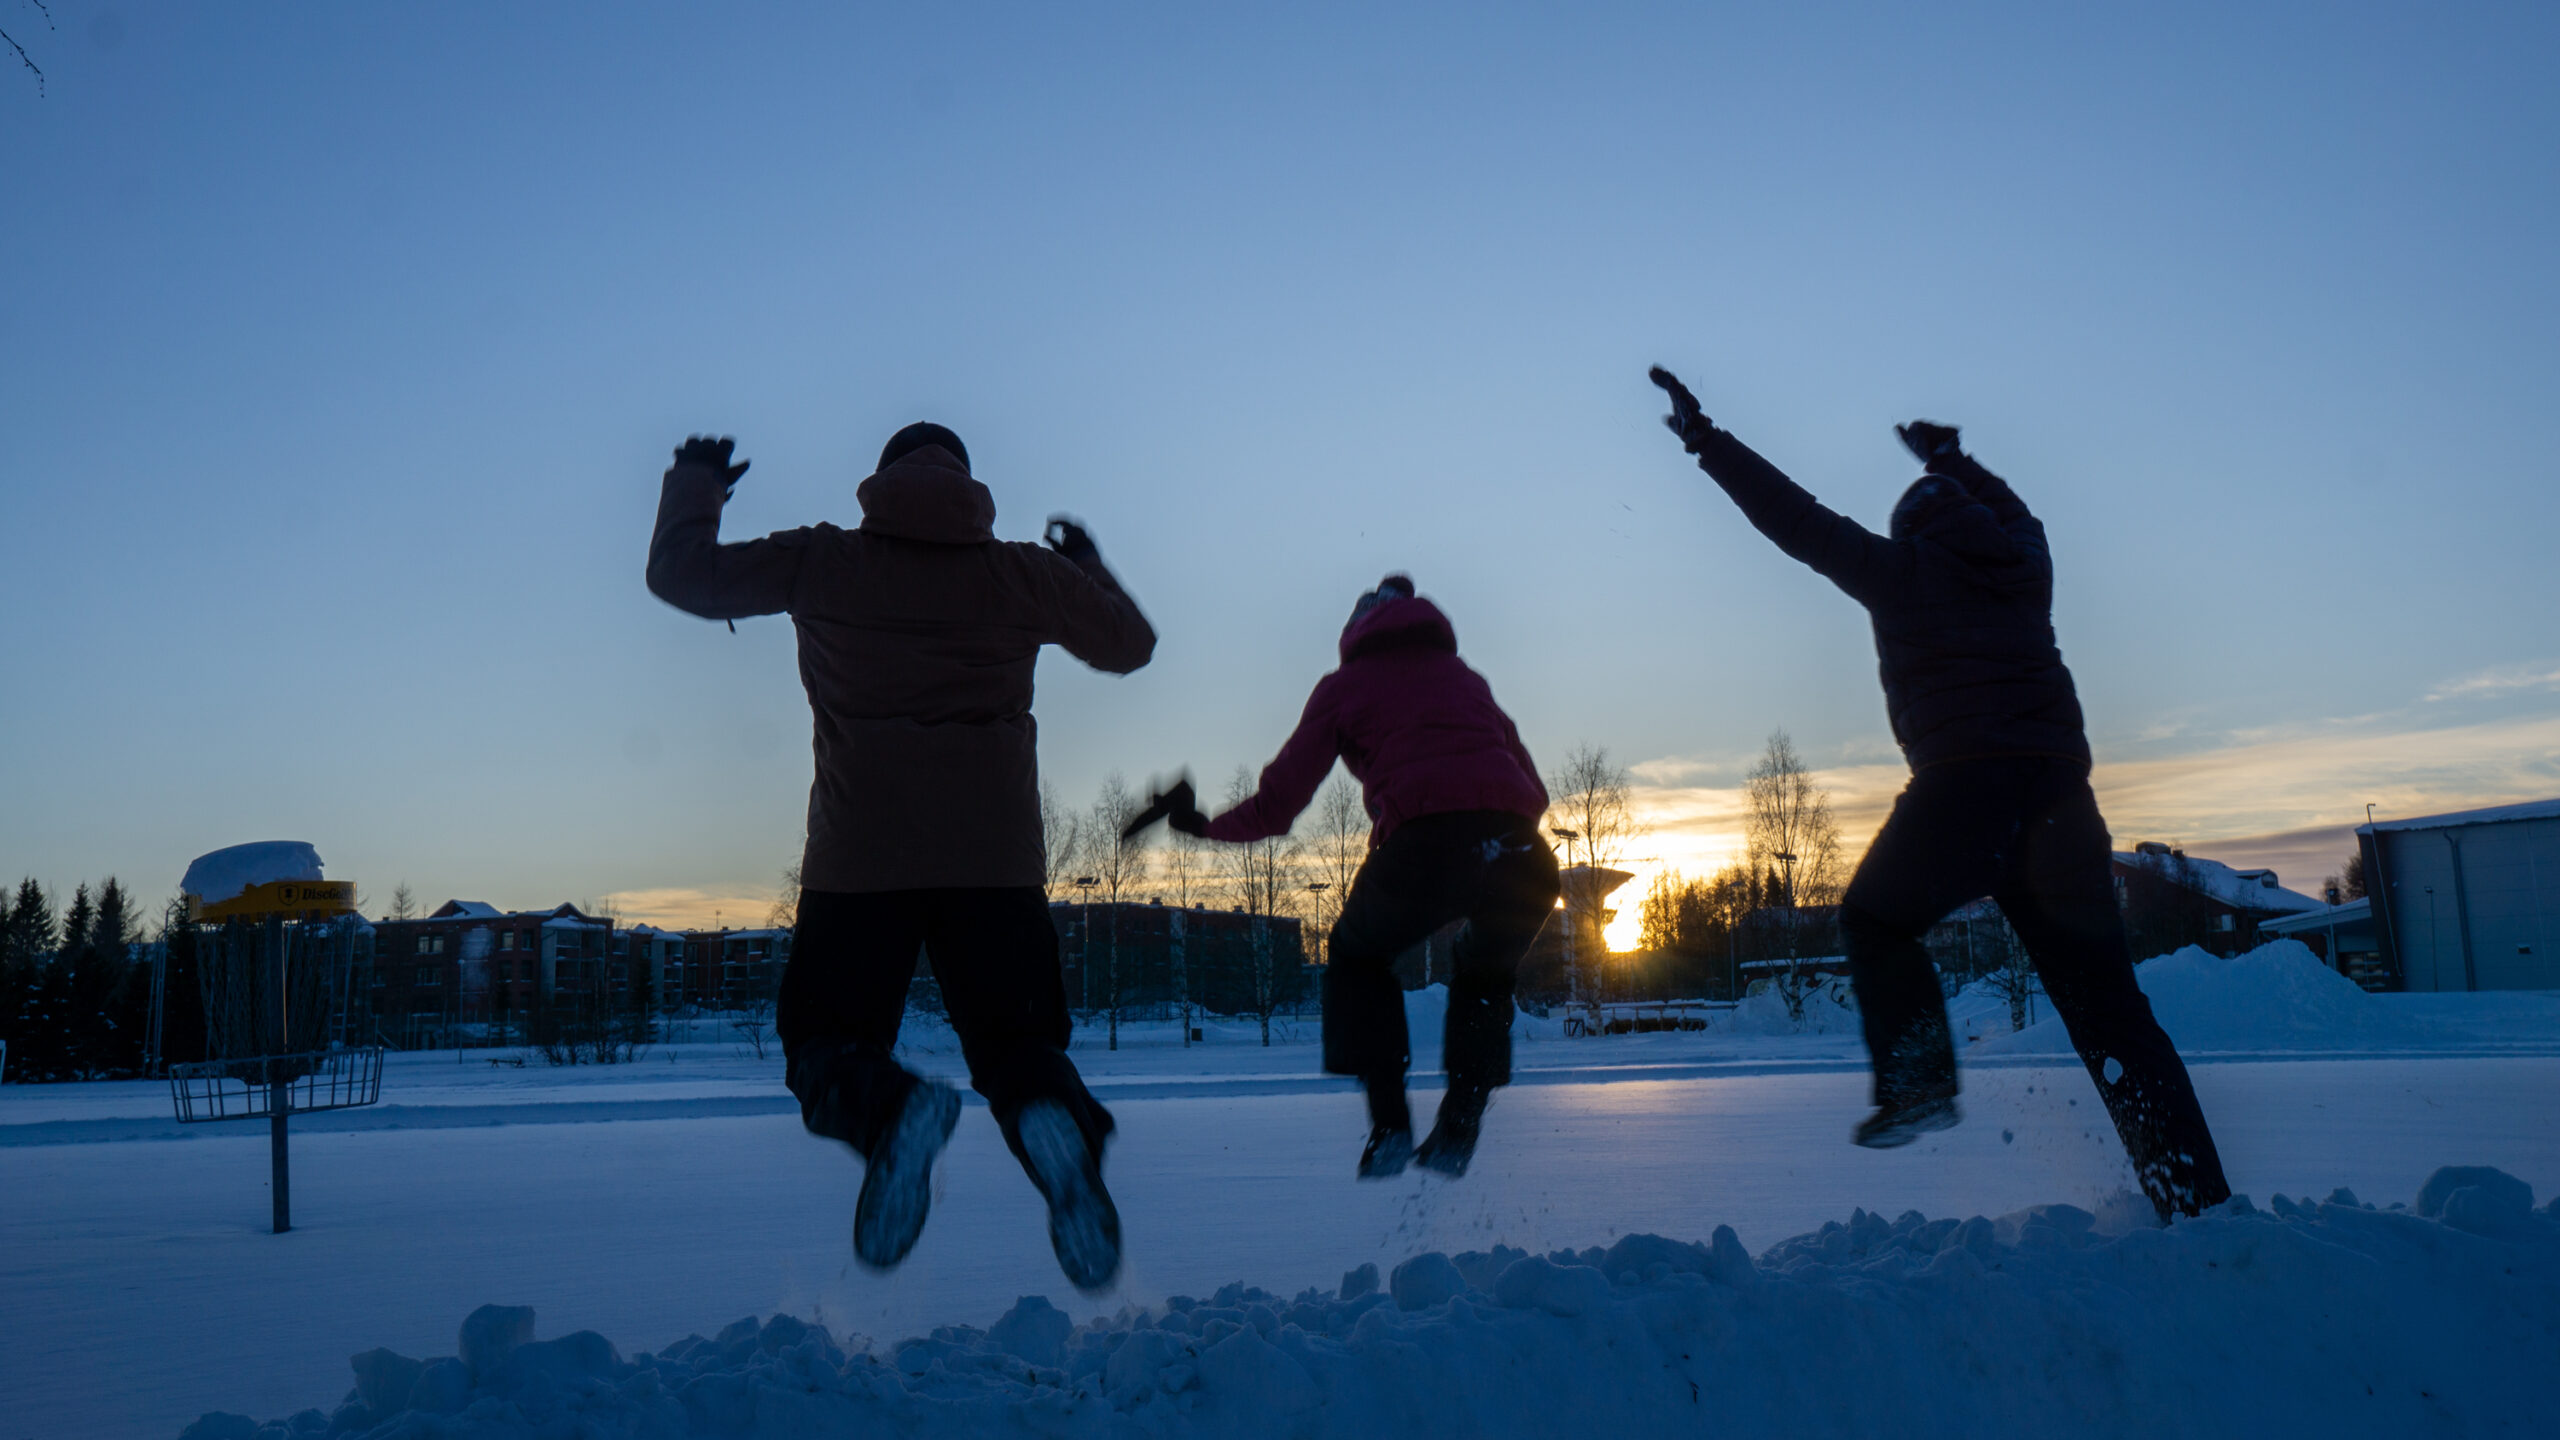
919,435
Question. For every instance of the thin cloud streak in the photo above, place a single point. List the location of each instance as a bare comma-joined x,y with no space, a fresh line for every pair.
2265,796
2500,680
683,908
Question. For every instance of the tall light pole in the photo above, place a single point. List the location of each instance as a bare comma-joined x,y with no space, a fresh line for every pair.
1084,963
1789,861
1572,962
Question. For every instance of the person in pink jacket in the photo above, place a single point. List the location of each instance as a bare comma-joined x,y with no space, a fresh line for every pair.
1455,802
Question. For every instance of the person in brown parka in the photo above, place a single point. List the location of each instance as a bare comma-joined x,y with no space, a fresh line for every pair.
918,632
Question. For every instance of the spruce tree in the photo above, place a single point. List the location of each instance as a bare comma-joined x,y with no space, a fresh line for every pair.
116,1003
26,941
182,1037
57,1040
79,926
26,936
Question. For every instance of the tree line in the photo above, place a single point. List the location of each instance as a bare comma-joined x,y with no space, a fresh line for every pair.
1766,912
1305,875
75,996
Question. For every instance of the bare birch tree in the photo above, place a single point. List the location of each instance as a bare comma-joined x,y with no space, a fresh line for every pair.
1262,877
1119,866
1186,874
1791,839
1590,812
1334,854
785,914
24,58
1061,840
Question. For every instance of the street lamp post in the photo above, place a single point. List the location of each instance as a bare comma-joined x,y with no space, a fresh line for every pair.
1572,958
1315,890
1795,947
1084,963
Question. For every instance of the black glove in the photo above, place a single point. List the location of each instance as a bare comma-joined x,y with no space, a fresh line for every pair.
1068,537
1176,807
1930,441
703,450
1686,420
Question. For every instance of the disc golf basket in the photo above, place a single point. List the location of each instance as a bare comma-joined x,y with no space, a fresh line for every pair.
278,967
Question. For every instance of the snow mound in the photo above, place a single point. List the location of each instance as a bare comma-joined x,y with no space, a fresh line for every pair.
1426,1011
2328,1317
1828,1010
1980,1011
2276,997
222,874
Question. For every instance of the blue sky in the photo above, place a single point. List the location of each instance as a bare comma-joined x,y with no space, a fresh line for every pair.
341,350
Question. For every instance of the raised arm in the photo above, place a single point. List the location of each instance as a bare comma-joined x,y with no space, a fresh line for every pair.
1290,780
1097,621
1941,449
1840,549
688,566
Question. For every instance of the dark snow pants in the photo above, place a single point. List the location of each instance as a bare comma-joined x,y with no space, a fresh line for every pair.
995,954
2026,831
1487,867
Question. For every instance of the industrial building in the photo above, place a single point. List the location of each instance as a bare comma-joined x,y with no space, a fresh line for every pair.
2464,900
2467,901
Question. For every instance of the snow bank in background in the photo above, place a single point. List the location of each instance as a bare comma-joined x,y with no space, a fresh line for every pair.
1828,1010
1427,1010
1980,1011
2276,997
223,874
2317,1318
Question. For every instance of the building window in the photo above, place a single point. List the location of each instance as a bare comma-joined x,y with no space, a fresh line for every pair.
430,975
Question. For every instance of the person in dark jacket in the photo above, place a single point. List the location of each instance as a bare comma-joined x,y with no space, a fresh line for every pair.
1960,590
1454,801
918,635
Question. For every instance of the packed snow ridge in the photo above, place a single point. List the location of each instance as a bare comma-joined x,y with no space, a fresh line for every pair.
2310,1318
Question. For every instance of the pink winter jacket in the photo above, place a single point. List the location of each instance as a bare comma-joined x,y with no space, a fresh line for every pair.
1412,723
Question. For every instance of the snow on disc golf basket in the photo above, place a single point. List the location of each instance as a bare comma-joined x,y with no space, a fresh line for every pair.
278,965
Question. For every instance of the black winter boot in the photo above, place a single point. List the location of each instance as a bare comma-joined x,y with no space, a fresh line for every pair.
1390,1146
1915,1090
1452,1142
1084,1226
1386,1154
897,1178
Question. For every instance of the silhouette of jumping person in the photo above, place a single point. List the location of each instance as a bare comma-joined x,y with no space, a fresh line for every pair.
918,635
1455,800
1960,590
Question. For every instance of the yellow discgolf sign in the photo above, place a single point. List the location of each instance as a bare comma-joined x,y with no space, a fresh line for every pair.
280,897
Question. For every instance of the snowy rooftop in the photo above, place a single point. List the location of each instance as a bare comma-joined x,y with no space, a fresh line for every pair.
2358,911
2526,810
2239,889
563,914
225,873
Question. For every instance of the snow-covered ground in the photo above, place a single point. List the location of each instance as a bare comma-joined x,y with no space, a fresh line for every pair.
138,1288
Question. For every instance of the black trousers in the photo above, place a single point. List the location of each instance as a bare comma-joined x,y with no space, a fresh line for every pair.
2026,831
995,954
1487,867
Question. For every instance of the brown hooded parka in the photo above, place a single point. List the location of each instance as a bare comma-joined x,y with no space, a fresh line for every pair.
918,635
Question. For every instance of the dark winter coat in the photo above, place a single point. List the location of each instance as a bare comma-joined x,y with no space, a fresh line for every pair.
918,634
1412,723
1962,607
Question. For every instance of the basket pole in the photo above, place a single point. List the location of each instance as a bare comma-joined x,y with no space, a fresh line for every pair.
279,1090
